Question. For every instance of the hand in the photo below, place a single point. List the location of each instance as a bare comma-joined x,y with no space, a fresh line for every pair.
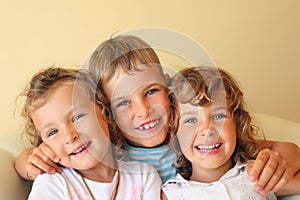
270,172
41,160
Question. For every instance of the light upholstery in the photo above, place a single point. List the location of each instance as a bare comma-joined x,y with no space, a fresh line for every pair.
12,187
277,128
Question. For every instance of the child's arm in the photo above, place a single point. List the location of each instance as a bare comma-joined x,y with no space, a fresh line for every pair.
274,168
33,161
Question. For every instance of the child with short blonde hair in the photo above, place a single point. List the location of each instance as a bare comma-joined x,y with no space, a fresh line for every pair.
132,78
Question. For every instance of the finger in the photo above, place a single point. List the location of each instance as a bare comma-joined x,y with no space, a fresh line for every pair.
276,176
272,166
32,171
45,149
258,165
286,177
268,172
43,163
43,156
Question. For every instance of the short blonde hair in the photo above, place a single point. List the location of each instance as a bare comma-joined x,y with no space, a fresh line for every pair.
122,51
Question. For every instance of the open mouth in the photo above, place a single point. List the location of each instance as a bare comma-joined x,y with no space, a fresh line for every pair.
80,149
208,148
148,125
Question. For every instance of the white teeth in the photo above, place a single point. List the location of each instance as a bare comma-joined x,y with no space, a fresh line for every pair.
208,147
80,149
148,126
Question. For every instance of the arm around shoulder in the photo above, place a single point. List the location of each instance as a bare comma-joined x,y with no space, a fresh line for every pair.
20,163
289,152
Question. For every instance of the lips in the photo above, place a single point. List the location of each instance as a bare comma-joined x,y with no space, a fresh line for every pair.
208,148
148,125
80,149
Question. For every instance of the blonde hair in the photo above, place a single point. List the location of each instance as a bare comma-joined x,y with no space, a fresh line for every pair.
45,81
203,83
122,51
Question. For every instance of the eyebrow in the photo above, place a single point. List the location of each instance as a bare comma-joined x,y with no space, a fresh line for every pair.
194,111
188,113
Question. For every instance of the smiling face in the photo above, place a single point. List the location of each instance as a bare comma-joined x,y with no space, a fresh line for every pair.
207,135
140,104
73,126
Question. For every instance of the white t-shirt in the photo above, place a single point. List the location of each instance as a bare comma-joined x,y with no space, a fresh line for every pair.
137,181
233,185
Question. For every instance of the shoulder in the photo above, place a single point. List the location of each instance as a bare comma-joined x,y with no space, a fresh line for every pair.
56,179
47,186
68,184
175,182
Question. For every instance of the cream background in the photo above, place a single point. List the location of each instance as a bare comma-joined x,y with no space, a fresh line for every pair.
257,41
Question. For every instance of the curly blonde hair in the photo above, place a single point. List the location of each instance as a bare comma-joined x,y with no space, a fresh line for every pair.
45,81
197,86
123,51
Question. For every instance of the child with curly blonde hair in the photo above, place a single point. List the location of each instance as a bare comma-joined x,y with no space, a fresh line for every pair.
65,110
217,140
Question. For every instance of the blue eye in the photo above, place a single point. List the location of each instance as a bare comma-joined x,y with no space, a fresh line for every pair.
77,117
150,92
123,103
219,116
191,121
52,132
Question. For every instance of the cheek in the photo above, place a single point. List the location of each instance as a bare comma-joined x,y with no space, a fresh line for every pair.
229,131
185,137
121,115
163,104
56,146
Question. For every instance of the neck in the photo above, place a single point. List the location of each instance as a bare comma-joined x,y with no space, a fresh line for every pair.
148,145
208,175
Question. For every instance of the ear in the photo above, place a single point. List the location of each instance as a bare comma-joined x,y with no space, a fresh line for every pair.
167,77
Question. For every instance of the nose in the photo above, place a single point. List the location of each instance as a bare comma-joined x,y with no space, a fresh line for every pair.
207,130
140,108
208,133
71,135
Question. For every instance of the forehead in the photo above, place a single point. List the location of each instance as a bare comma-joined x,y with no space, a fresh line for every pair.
127,83
218,102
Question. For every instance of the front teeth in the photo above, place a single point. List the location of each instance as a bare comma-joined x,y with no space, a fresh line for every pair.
80,149
208,147
148,126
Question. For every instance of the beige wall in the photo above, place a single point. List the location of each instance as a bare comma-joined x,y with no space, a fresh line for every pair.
258,41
